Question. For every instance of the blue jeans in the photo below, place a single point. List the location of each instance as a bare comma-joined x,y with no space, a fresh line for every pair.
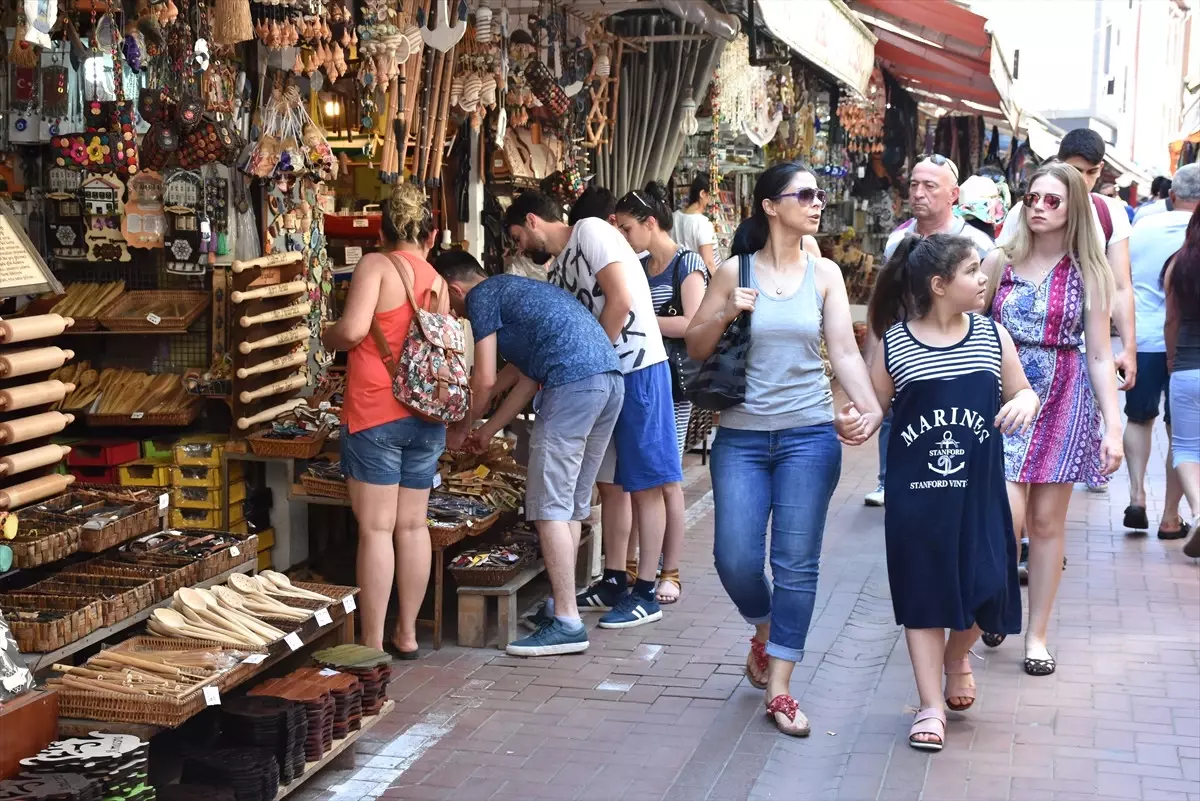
789,476
885,433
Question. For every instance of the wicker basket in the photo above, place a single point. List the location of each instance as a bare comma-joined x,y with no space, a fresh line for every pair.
140,522
299,448
176,419
129,311
120,598
78,618
443,537
161,579
489,576
41,540
324,487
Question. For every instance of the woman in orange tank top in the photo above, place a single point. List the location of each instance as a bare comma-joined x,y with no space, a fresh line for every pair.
389,456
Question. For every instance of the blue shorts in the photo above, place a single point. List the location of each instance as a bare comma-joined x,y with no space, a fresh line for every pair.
404,452
644,441
1152,385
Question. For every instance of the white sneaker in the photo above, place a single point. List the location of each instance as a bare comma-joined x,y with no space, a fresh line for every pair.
874,498
1098,490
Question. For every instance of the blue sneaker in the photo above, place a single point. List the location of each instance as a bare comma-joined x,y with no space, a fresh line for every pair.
601,596
631,611
552,639
540,616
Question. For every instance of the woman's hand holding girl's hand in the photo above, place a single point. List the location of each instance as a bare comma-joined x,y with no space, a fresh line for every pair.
740,300
851,426
1112,451
1019,413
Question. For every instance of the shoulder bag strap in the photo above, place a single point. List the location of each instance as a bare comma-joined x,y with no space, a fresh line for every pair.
385,351
1105,215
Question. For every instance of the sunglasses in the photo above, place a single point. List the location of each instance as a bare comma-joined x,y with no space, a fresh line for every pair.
942,161
1031,198
806,195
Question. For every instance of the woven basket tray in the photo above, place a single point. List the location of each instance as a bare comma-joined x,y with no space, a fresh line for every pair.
142,521
488,576
300,448
159,578
176,310
120,598
81,616
177,418
324,487
443,537
41,540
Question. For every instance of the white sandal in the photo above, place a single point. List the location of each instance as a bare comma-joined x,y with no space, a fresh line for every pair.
930,720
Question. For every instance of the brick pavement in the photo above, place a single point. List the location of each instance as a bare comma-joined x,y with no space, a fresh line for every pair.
662,712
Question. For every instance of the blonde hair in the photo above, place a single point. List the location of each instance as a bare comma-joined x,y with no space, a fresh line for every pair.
1082,237
409,213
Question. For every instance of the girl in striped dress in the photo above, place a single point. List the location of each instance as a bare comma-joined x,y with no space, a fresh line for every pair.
955,386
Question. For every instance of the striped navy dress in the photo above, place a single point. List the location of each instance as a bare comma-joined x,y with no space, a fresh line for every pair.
662,288
951,554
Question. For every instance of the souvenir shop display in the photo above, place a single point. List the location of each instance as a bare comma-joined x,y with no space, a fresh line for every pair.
114,766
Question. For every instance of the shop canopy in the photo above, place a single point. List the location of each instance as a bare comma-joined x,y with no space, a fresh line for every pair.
941,52
827,34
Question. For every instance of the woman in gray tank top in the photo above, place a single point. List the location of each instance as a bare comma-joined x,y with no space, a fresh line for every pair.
776,455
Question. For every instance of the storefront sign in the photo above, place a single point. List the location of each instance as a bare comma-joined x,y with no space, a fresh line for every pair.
22,270
828,34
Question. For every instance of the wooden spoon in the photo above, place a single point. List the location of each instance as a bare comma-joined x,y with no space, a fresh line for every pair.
265,630
284,583
172,621
193,606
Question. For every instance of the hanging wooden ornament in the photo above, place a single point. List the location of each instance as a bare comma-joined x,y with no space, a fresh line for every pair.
101,200
65,217
182,198
144,223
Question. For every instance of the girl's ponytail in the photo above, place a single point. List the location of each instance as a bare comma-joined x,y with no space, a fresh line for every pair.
889,300
902,290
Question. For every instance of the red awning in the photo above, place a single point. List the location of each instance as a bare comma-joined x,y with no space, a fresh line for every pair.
940,51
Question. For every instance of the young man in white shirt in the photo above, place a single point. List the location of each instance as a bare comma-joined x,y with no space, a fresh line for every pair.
593,262
1156,238
932,195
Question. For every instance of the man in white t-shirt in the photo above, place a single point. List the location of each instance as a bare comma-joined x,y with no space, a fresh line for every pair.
593,262
1155,240
932,194
1083,149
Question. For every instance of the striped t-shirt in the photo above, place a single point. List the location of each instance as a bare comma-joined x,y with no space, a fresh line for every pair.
908,360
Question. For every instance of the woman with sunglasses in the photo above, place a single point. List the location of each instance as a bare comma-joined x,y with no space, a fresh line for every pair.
776,455
1050,285
677,278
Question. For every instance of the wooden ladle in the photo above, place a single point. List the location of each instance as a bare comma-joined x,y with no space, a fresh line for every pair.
176,625
193,606
214,605
284,584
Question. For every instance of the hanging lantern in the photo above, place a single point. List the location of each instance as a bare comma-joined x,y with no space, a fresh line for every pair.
689,125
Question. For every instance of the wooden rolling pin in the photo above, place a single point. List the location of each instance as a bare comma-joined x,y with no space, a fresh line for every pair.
286,385
34,360
38,425
30,491
32,459
274,260
287,337
22,329
270,414
295,310
276,291
34,395
271,365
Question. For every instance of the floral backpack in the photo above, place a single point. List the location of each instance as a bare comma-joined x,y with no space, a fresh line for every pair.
431,379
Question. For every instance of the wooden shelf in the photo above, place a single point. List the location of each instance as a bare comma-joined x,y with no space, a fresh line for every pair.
36,662
340,748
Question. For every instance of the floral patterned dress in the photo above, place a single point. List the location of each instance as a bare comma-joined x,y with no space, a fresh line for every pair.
1046,323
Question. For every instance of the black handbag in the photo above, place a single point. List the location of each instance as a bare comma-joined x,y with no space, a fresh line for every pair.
683,369
721,379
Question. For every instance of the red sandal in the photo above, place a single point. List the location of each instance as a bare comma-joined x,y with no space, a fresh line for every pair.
786,705
757,662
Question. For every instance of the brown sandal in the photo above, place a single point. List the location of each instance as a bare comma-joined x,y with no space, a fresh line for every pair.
757,663
673,577
956,670
786,705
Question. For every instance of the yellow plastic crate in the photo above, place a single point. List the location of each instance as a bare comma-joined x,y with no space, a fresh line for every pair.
240,527
200,451
199,476
207,518
266,539
144,473
204,498
264,560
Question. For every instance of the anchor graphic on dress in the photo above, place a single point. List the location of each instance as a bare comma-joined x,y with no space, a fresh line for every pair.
946,450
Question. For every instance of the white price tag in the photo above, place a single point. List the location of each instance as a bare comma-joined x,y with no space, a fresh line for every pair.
322,617
212,696
255,659
348,604
293,641
324,406
153,318
437,480
353,256
137,415
327,672
235,551
164,500
359,222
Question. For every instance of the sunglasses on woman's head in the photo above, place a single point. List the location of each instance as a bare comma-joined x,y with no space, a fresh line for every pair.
806,195
1031,198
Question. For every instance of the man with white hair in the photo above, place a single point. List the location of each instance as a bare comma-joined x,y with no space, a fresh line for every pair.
932,195
1155,239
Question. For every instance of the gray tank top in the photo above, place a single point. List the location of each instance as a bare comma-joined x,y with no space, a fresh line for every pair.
786,385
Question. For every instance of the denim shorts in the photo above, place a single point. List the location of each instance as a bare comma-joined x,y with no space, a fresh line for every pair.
1153,385
404,452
